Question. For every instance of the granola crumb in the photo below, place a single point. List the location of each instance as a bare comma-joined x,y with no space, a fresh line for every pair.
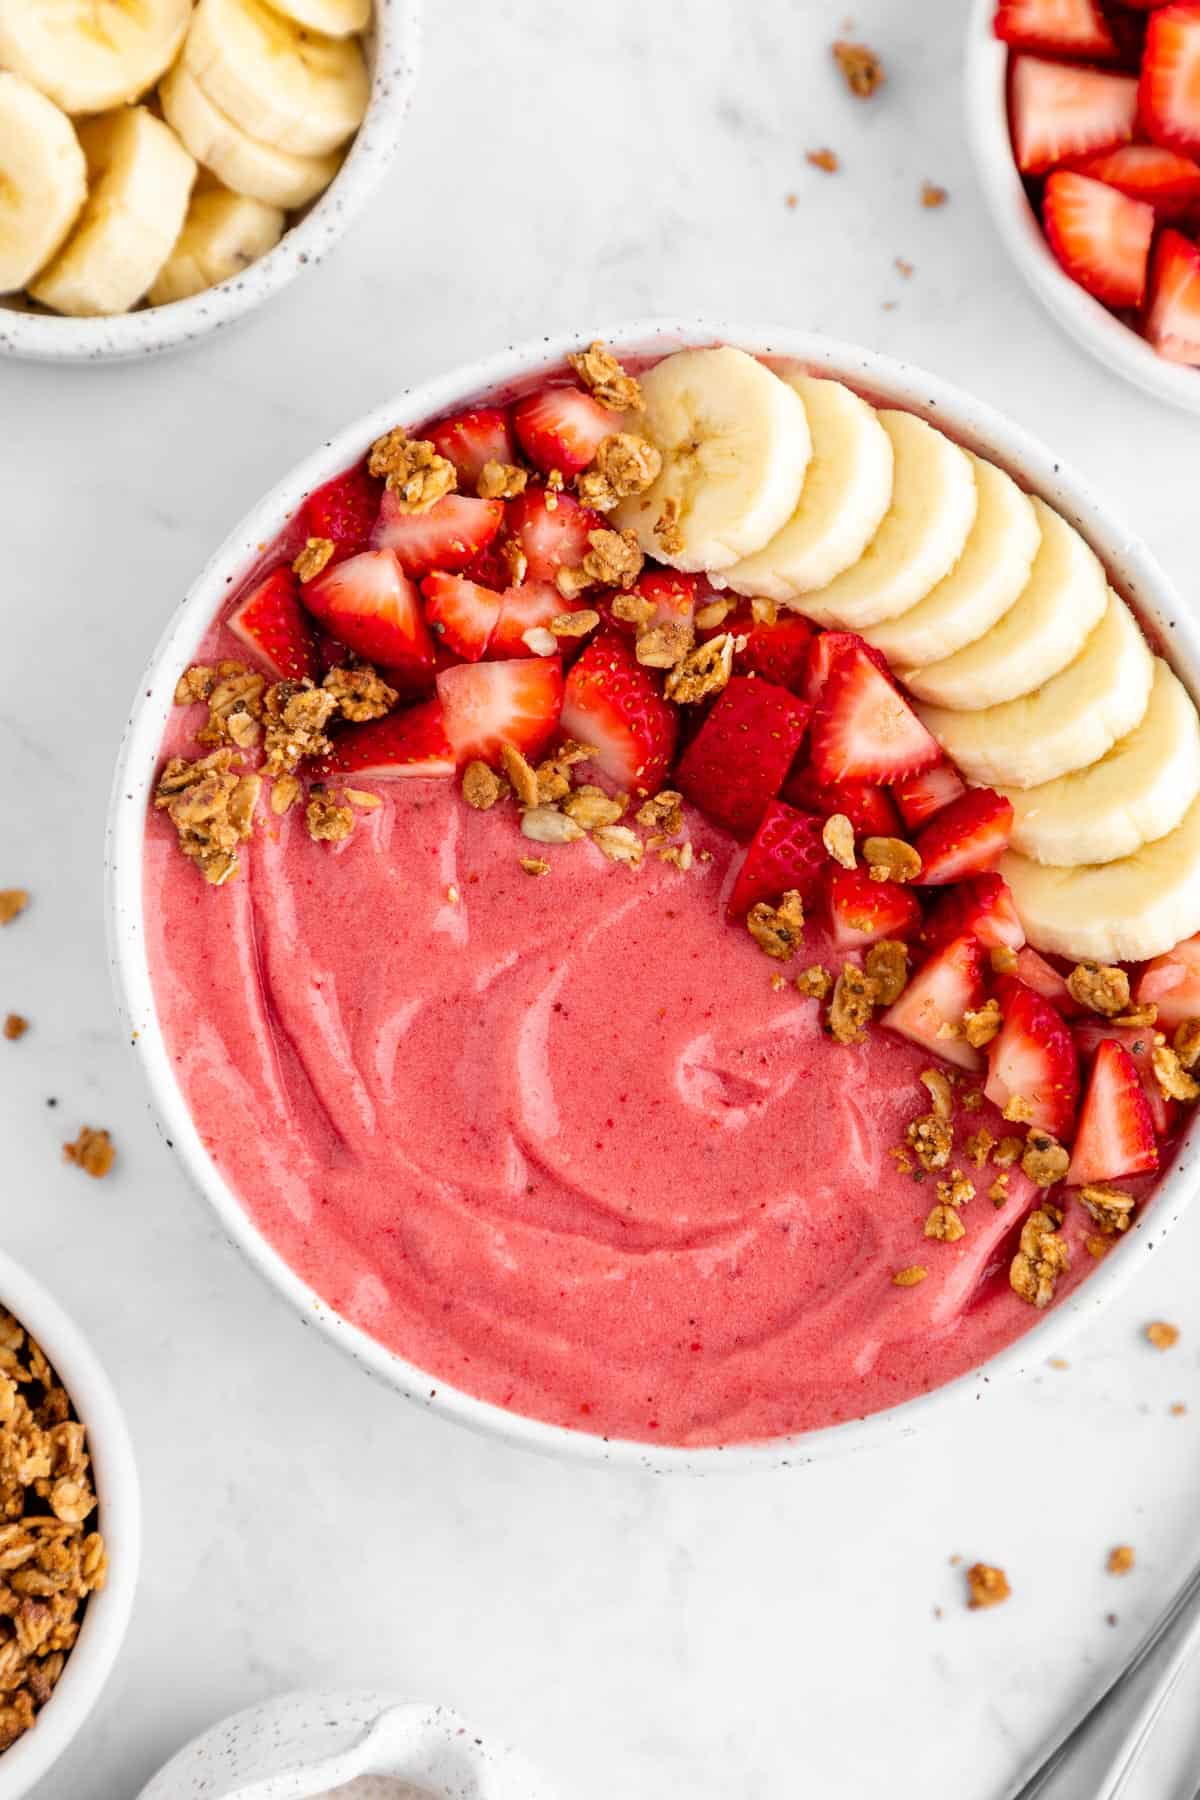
285,791
1018,1110
665,646
777,930
703,671
329,821
910,1277
315,555
887,966
852,1006
546,825
890,859
412,470
979,1146
605,379
194,685
666,528
1177,1409
363,799
940,1092
295,715
715,613
500,480
791,201
1007,1152
515,560
814,982
943,1223
619,844
624,464
823,159
860,66
1110,1207
1101,987
539,640
932,195
1170,1074
1044,1160
235,707
973,1100
591,807
211,805
15,1027
92,1151
980,1027
1097,1246
575,624
1137,1016
521,775
663,812
1120,1559
837,835
1003,959
480,786
1162,1335
931,1140
1041,1259
903,268
534,865
998,1192
986,1586
1186,1043
1059,1362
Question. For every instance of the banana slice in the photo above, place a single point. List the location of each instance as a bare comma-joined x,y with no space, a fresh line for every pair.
336,18
921,537
735,446
1122,911
984,582
1045,628
222,235
239,161
90,55
1137,793
141,177
284,86
847,489
1072,720
43,180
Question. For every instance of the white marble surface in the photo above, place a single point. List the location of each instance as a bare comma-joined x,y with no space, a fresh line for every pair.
766,1636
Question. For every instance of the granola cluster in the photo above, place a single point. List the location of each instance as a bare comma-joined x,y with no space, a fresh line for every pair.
412,470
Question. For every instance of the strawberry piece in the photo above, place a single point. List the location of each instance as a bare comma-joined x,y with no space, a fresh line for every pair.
1060,110
1172,983
868,808
408,743
863,728
1116,1131
965,838
473,438
1173,314
1168,182
1091,1032
672,596
736,763
921,795
938,995
982,905
461,614
862,911
447,537
562,428
778,652
1099,235
553,536
271,623
616,705
823,652
1044,979
487,704
785,852
367,604
1033,1057
1169,89
523,609
1056,27
344,511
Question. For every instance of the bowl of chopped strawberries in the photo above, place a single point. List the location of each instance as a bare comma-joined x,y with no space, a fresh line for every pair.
1084,117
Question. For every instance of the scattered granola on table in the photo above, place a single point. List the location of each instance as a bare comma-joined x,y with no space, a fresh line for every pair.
986,1586
12,902
932,195
92,1151
15,1026
1120,1559
1162,1335
860,66
823,159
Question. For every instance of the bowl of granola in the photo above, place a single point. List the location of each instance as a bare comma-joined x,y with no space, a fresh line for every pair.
71,1537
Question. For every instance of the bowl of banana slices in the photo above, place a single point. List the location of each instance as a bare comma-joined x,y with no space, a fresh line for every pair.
168,165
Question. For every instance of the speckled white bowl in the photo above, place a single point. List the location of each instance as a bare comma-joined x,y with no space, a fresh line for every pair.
119,1518
1122,351
392,53
1133,569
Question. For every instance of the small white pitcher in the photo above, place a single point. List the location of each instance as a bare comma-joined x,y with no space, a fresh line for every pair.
304,1745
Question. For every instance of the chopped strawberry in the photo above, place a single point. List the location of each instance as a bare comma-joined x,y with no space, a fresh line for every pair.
1172,983
982,905
1032,1058
562,428
447,537
966,837
868,808
1056,27
824,651
1173,313
552,530
1045,980
672,596
616,705
785,852
1090,1032
271,623
921,795
408,743
344,511
862,910
523,609
367,604
940,992
1060,110
736,763
1099,235
778,652
488,704
470,439
461,614
1116,1132
1169,89
863,728
1168,182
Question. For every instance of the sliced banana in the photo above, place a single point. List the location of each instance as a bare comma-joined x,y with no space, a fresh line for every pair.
91,55
921,537
980,588
239,161
735,446
336,18
1070,721
847,489
1122,911
141,177
1048,624
222,235
43,180
1137,792
286,86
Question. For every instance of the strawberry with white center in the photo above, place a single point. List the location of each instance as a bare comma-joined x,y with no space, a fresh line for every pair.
966,837
488,704
525,609
1056,27
863,728
368,604
1173,311
447,537
1032,1059
562,428
981,905
272,624
1172,984
471,439
929,1012
1099,235
824,651
614,704
736,763
862,910
786,852
1060,110
672,595
461,614
1164,179
409,743
1169,89
1089,1033
1044,979
551,530
1116,1132
344,511
868,807
922,795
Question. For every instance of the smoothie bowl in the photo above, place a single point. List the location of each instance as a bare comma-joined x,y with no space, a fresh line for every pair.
654,887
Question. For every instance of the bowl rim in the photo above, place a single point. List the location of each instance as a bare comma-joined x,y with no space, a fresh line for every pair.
395,58
1122,350
107,1616
972,422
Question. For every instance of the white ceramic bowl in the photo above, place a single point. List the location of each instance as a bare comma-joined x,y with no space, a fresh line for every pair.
119,1518
1131,567
1121,350
392,54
